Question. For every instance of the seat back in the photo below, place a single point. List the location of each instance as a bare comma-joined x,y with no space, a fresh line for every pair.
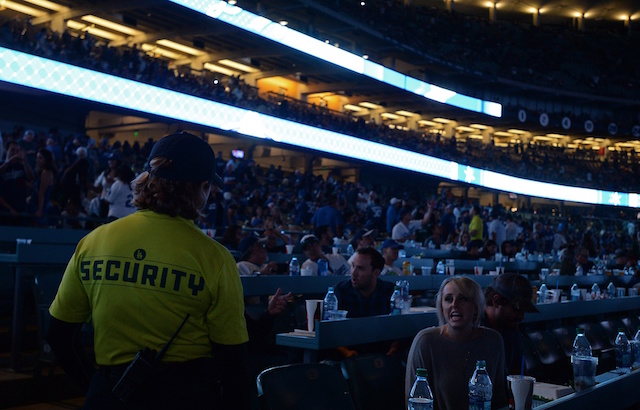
376,381
45,287
555,364
308,386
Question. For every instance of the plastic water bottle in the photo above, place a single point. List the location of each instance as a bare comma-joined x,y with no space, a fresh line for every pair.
595,291
330,303
440,268
397,301
635,349
611,290
480,388
350,250
420,397
323,267
294,267
623,351
575,293
581,345
543,292
579,271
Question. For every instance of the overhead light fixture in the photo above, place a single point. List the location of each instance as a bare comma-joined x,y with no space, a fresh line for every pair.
389,116
542,138
152,48
218,69
179,47
238,66
21,8
232,2
466,129
111,25
284,23
479,126
352,107
370,105
442,120
427,123
475,136
556,136
503,134
45,4
516,131
365,56
94,31
406,113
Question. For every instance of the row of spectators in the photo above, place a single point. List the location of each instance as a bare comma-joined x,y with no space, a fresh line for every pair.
592,61
615,171
87,183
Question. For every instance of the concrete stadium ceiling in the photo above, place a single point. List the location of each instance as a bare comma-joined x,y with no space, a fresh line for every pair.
212,41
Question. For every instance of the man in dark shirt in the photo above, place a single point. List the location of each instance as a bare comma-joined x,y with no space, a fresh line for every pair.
506,302
365,295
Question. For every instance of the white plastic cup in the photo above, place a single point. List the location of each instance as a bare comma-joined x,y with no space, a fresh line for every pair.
306,271
451,270
620,291
633,291
478,270
289,249
520,391
335,250
314,312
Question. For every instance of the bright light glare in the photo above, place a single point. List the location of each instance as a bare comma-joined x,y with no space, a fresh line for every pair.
36,72
271,30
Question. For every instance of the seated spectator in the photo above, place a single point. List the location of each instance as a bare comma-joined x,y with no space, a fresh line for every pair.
15,176
120,194
390,253
311,248
508,249
489,250
39,204
407,227
325,235
253,257
275,241
72,216
582,260
363,239
365,295
449,352
506,302
232,236
473,250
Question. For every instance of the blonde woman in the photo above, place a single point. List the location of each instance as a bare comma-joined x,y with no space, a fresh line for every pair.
449,352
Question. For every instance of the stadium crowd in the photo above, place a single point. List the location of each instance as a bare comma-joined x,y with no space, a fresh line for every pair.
608,170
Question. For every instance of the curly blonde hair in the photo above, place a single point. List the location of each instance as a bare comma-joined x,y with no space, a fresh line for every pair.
173,198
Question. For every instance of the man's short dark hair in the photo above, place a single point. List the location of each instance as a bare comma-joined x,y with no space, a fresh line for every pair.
377,260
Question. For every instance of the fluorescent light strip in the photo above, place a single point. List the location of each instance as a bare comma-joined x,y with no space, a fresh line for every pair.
111,25
47,5
36,72
21,8
179,47
271,30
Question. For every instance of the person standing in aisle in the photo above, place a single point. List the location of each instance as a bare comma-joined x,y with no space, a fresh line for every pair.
506,302
150,275
450,351
476,228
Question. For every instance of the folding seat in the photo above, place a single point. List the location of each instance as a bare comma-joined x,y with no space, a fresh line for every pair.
311,386
375,381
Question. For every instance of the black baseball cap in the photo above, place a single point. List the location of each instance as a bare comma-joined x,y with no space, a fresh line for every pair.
192,159
517,290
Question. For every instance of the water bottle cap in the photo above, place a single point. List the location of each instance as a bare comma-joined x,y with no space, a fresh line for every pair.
579,330
621,329
481,363
330,289
420,372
